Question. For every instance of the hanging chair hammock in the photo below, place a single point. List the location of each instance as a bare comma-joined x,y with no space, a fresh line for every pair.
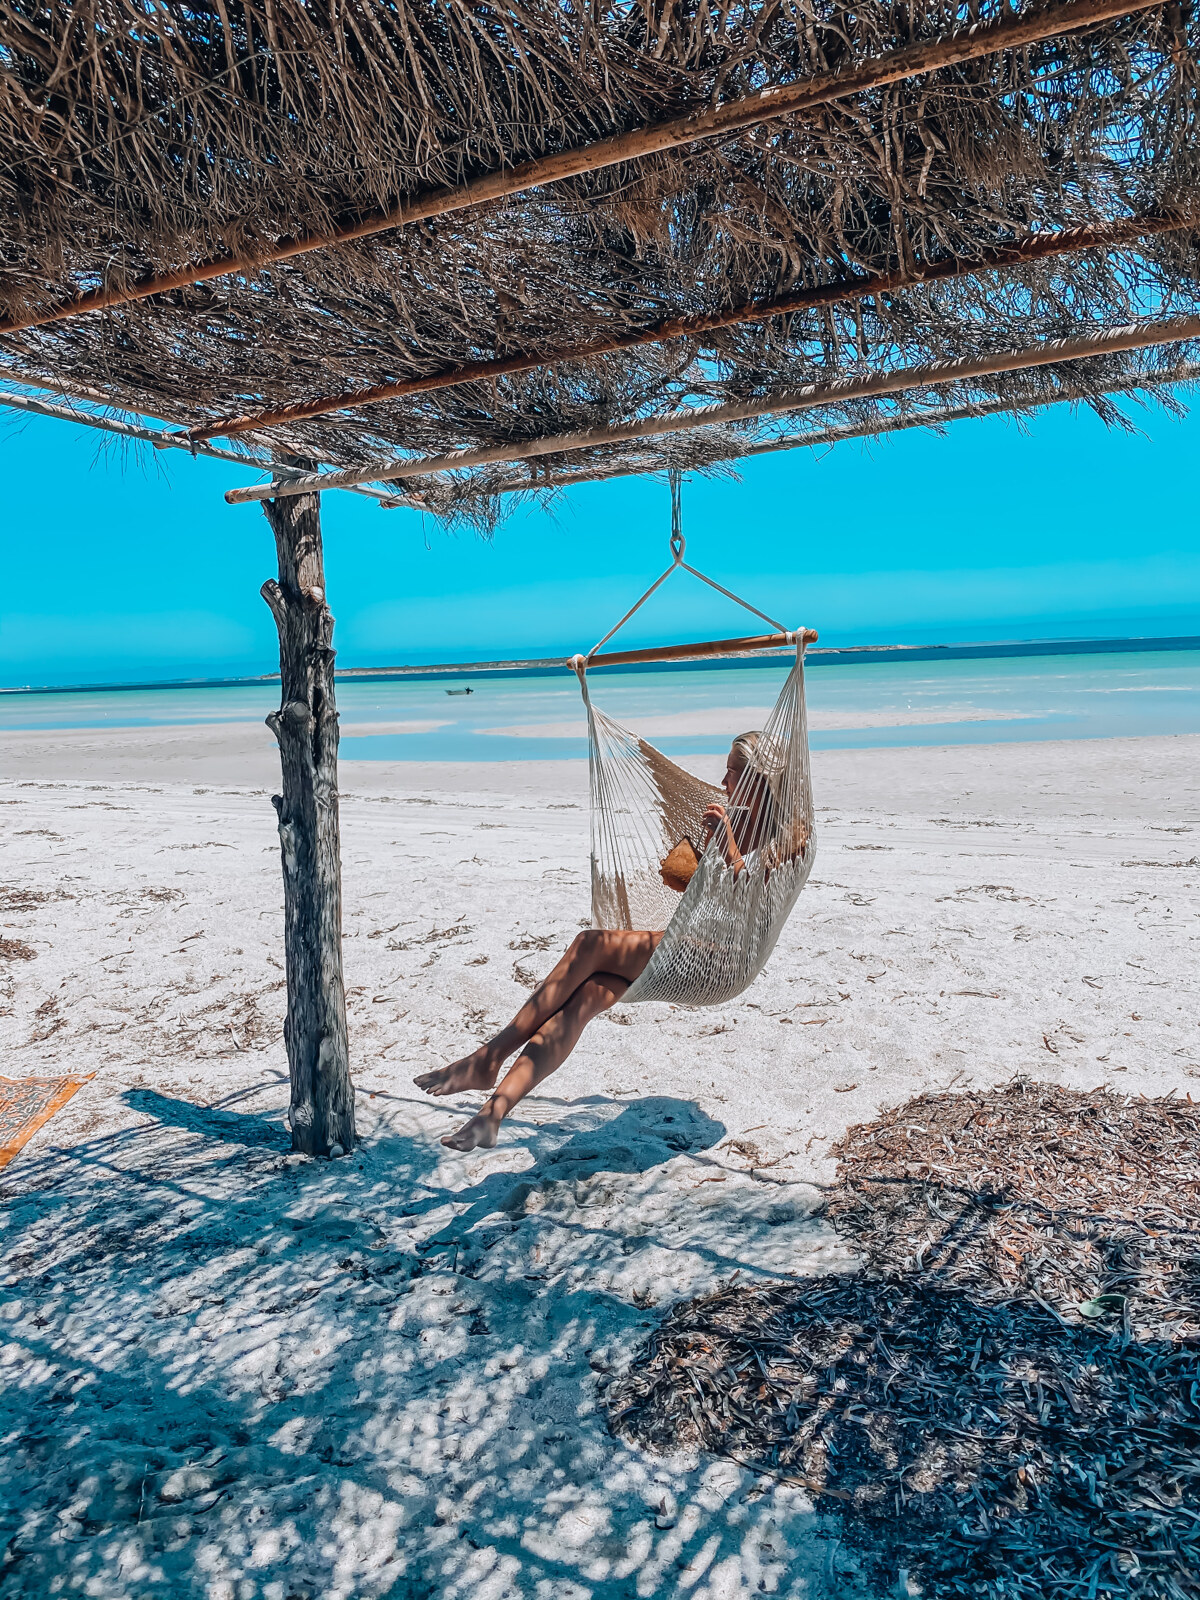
646,817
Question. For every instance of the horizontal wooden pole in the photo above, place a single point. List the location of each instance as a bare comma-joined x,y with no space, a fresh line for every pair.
62,409
697,652
936,416
166,441
124,430
1134,336
930,55
941,416
1033,247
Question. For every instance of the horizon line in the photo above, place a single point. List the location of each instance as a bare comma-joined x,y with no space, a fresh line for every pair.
820,655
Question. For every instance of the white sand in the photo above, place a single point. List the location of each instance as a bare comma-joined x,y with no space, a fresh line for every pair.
232,1373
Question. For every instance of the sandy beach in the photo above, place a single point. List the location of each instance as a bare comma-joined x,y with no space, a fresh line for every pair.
233,1372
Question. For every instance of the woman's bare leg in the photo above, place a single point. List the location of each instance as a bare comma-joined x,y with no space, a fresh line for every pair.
618,952
547,1049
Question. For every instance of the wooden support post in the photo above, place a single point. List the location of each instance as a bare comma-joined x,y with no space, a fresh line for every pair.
306,727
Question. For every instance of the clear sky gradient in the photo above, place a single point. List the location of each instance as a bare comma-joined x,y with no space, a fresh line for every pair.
128,566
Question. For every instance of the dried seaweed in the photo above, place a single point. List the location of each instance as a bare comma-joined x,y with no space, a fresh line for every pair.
1007,1400
1035,1191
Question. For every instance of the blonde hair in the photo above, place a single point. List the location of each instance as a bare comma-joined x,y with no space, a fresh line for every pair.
759,766
756,753
745,749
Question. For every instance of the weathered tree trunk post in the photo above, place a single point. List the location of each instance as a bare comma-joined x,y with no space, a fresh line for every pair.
306,728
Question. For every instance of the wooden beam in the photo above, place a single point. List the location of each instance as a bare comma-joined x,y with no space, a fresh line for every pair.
1033,247
929,55
169,441
306,728
938,416
1135,336
126,430
73,393
698,652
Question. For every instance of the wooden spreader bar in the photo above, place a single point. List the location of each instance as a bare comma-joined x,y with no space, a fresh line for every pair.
690,652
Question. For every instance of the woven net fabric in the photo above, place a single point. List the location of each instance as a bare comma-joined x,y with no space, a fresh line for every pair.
721,930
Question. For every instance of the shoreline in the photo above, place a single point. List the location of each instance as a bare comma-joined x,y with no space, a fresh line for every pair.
242,757
554,666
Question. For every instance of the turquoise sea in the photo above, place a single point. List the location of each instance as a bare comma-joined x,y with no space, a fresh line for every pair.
694,711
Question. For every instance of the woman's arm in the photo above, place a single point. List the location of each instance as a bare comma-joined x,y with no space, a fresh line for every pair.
716,822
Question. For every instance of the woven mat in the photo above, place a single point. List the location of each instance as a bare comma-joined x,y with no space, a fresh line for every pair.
25,1103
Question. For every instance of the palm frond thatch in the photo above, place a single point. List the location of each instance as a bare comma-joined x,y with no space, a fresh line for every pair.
143,137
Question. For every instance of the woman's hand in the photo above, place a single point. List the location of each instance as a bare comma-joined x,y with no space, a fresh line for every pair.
716,821
714,817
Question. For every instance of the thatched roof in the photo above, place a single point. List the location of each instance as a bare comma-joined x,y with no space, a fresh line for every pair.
141,138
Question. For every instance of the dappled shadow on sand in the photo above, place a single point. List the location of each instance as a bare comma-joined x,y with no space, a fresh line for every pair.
233,1372
213,1122
986,1450
1007,1402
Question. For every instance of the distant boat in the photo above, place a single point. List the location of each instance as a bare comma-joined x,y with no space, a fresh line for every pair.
460,691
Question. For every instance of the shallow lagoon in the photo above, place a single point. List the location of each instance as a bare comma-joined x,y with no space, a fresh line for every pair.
694,711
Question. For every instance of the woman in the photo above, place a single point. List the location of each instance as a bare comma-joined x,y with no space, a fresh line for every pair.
596,971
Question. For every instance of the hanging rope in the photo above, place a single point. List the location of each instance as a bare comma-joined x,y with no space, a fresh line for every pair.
678,548
721,895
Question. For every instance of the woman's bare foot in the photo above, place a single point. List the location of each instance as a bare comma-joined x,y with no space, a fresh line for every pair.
479,1070
478,1134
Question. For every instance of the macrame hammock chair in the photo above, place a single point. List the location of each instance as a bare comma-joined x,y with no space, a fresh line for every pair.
720,932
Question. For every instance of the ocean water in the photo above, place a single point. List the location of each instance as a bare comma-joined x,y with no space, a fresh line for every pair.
697,711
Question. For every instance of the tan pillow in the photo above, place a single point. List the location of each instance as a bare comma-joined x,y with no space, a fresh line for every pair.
678,867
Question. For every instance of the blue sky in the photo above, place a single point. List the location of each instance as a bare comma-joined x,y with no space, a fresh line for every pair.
130,567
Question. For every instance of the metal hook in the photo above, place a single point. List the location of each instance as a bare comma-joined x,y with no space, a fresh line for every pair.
678,543
677,561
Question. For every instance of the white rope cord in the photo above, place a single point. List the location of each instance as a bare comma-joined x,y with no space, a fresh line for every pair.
720,932
678,564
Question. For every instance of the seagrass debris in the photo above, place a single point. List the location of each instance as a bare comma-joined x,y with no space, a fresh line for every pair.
163,440
981,39
1135,336
1063,1194
964,1449
1006,1402
935,417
